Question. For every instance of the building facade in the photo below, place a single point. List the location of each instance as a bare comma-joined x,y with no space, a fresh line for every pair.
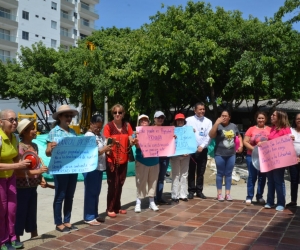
57,23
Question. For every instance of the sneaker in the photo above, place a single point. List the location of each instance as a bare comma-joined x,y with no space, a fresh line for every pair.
268,206
16,244
153,207
261,201
279,208
3,247
7,246
291,204
220,197
228,197
137,208
248,202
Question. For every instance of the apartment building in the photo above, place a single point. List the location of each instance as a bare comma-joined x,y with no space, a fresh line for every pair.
57,23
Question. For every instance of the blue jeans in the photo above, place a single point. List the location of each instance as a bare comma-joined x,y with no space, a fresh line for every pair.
65,185
163,167
254,175
276,182
26,216
225,166
92,189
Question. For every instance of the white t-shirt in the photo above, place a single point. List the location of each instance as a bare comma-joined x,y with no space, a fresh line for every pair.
296,141
100,139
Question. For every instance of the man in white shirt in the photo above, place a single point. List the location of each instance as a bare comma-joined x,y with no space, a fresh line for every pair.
198,160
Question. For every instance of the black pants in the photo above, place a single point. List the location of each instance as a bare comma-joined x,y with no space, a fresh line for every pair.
197,167
294,173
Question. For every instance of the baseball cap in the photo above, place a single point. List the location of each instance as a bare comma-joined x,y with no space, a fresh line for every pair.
143,116
179,116
158,114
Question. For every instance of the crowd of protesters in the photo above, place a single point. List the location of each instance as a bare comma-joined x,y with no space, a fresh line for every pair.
18,182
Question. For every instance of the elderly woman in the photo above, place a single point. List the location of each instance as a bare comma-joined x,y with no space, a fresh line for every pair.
93,179
281,126
295,169
65,184
27,182
9,161
159,118
146,170
224,131
254,135
120,132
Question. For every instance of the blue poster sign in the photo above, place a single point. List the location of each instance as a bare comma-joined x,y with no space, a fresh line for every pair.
74,155
186,140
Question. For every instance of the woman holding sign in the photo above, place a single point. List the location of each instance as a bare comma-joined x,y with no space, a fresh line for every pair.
147,170
224,131
93,179
65,184
254,135
281,126
180,168
121,134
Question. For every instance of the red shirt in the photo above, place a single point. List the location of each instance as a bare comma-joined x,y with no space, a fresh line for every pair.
257,135
119,153
274,133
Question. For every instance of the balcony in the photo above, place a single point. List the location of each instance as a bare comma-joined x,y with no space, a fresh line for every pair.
86,28
7,20
87,11
67,20
11,4
67,37
68,4
4,59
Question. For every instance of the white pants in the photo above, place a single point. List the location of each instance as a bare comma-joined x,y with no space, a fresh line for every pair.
146,175
180,169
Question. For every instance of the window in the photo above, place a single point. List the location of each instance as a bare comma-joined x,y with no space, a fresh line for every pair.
36,35
25,15
37,16
25,35
85,22
4,55
53,5
43,18
63,31
53,43
85,6
75,32
65,48
5,13
43,37
53,25
75,15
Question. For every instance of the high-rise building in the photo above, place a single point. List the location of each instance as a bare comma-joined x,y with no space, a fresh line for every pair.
54,22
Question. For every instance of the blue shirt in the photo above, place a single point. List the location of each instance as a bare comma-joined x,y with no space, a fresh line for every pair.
57,131
149,161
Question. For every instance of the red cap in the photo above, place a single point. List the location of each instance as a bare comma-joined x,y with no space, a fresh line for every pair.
179,116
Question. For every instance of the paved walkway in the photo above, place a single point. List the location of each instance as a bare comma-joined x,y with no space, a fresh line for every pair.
196,224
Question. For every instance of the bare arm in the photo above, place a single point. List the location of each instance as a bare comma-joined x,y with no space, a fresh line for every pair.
247,143
214,129
15,166
50,146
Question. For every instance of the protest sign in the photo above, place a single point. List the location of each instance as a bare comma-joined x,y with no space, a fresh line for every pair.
277,153
74,155
156,140
185,141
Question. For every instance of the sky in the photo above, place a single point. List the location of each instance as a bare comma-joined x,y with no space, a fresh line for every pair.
135,13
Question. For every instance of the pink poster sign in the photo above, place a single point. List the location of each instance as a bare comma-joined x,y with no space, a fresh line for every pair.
277,153
156,140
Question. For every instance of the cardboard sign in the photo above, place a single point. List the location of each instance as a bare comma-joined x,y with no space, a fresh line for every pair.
156,140
277,153
74,155
185,141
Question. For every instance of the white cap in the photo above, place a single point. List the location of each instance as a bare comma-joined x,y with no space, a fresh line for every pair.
143,116
158,114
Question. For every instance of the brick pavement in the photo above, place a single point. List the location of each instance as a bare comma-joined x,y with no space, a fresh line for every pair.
196,224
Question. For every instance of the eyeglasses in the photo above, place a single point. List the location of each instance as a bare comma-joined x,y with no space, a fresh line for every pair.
11,120
120,112
68,116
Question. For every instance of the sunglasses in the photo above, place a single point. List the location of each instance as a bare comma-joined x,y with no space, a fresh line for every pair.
11,120
120,112
68,116
161,117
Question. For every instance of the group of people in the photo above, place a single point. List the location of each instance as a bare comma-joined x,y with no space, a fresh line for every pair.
18,183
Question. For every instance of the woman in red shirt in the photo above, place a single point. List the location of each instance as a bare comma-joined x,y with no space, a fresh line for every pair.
117,159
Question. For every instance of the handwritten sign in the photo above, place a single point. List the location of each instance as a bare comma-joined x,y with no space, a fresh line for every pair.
74,155
156,140
277,153
185,141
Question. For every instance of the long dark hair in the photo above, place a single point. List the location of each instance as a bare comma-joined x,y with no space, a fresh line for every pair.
294,125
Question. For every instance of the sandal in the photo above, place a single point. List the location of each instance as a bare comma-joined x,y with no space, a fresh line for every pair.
111,214
93,222
122,211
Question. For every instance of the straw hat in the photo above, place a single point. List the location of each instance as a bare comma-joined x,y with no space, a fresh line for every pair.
63,109
23,124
